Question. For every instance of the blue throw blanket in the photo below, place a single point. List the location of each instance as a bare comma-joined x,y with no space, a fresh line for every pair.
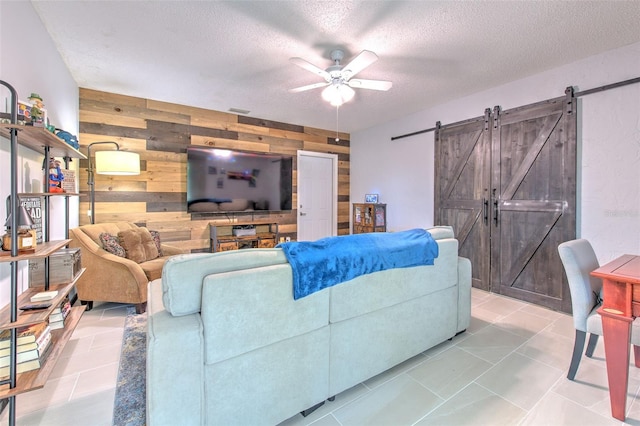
329,261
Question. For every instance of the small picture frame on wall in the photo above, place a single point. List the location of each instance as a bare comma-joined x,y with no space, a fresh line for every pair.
371,198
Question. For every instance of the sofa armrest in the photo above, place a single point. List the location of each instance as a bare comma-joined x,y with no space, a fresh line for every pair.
464,293
175,363
168,250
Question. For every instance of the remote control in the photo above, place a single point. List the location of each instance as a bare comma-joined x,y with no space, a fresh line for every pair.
34,306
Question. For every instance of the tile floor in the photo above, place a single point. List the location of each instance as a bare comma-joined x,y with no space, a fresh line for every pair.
509,368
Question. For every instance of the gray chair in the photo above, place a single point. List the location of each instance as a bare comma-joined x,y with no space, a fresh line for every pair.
579,259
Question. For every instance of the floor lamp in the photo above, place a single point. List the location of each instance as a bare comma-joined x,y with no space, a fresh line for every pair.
119,163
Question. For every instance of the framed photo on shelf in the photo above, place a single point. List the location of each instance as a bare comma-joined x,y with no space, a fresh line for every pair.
371,198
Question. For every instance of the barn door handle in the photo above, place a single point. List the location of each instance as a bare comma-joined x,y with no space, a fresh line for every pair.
485,210
496,209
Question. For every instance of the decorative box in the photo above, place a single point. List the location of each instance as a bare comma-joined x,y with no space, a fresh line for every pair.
64,265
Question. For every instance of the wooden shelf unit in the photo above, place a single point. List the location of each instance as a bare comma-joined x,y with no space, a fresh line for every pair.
369,217
40,140
221,237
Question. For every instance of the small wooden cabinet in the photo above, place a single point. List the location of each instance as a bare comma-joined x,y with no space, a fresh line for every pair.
223,238
369,217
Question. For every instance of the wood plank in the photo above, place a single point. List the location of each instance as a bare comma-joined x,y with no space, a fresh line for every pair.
158,186
270,124
111,207
102,118
229,144
248,129
324,147
113,131
107,185
214,133
107,97
167,167
166,206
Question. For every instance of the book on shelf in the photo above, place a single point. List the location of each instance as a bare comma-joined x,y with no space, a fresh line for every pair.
59,314
44,296
27,334
56,325
41,347
63,308
33,364
28,346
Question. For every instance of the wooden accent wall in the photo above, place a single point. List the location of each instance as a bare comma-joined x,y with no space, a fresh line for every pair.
160,132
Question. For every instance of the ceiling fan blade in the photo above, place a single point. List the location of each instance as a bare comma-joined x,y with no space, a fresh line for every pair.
360,62
359,83
307,87
310,67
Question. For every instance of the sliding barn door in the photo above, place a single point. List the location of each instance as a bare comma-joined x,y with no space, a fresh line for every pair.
533,198
506,182
462,165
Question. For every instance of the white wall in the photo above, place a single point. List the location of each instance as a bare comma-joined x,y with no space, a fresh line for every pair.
30,63
608,210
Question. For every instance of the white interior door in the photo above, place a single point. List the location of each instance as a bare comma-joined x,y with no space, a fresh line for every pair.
317,195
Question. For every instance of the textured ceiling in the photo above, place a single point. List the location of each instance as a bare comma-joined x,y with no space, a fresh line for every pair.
235,54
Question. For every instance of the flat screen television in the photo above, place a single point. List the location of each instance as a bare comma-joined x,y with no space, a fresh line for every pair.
221,181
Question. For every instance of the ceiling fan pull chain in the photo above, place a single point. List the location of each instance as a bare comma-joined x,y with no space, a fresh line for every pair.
337,108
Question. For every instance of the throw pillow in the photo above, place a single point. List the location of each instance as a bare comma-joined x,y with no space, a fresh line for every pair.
148,244
130,240
110,244
156,239
138,244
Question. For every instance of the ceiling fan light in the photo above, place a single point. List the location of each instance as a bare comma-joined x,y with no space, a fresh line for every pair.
338,94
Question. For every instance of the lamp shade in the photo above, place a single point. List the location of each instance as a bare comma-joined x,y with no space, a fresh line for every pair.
24,219
117,163
337,94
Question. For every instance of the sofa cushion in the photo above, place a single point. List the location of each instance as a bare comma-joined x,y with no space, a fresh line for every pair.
138,244
153,268
266,295
369,293
183,274
110,243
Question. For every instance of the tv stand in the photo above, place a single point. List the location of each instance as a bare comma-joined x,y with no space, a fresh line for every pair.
222,238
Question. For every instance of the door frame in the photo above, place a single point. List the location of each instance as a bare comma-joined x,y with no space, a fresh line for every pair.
334,186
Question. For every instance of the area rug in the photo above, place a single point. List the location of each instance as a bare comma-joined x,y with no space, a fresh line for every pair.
129,405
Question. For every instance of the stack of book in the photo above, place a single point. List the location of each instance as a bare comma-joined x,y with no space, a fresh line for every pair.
59,314
34,343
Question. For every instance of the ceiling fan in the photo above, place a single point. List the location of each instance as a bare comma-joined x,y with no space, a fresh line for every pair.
338,78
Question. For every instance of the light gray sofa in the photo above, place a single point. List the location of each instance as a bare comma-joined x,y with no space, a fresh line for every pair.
228,345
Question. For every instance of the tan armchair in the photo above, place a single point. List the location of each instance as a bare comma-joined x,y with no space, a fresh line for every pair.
109,277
